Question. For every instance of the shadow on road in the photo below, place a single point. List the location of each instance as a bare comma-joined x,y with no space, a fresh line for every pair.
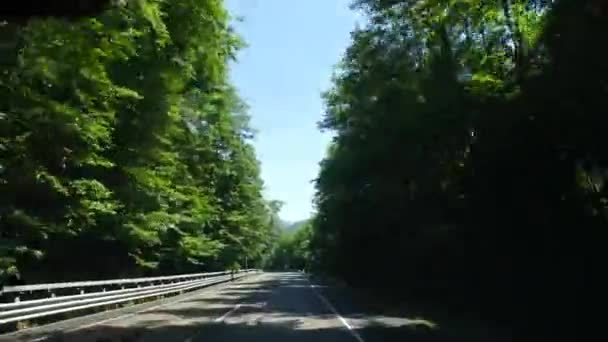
283,307
281,331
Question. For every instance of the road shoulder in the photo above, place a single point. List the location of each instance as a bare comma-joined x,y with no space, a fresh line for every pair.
375,319
44,332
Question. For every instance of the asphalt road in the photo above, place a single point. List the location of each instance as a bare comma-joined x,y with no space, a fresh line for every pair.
265,307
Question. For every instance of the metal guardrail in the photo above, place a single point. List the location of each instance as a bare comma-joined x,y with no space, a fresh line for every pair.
142,288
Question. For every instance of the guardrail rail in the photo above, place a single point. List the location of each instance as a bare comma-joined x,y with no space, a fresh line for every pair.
99,293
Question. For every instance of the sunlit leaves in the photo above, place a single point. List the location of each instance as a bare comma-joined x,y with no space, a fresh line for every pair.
124,128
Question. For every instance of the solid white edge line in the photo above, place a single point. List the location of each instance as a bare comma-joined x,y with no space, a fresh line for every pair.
344,322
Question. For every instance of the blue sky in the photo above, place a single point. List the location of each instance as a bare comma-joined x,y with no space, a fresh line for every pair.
292,48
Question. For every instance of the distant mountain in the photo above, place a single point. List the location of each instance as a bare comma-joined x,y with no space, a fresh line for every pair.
293,226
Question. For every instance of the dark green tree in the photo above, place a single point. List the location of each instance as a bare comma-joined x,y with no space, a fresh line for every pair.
468,153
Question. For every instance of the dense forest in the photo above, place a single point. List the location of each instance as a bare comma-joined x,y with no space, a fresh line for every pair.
469,161
291,248
468,167
124,149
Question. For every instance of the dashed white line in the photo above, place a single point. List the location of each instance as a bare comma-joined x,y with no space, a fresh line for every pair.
217,320
181,299
344,322
224,316
81,327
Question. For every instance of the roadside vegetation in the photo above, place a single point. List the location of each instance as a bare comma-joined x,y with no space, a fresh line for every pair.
468,167
125,150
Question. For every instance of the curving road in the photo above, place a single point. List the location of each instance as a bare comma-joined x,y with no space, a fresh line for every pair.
265,307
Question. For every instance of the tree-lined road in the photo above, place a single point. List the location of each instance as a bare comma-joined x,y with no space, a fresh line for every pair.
263,307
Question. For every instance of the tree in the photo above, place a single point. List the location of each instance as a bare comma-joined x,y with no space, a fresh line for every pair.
291,251
126,150
467,147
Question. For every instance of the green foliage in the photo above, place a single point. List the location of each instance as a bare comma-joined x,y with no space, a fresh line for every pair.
125,149
469,156
292,250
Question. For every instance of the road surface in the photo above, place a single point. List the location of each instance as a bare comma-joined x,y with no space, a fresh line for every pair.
269,307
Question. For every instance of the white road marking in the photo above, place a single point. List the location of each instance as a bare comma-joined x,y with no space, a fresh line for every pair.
260,305
119,317
127,316
220,319
351,330
217,320
224,316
